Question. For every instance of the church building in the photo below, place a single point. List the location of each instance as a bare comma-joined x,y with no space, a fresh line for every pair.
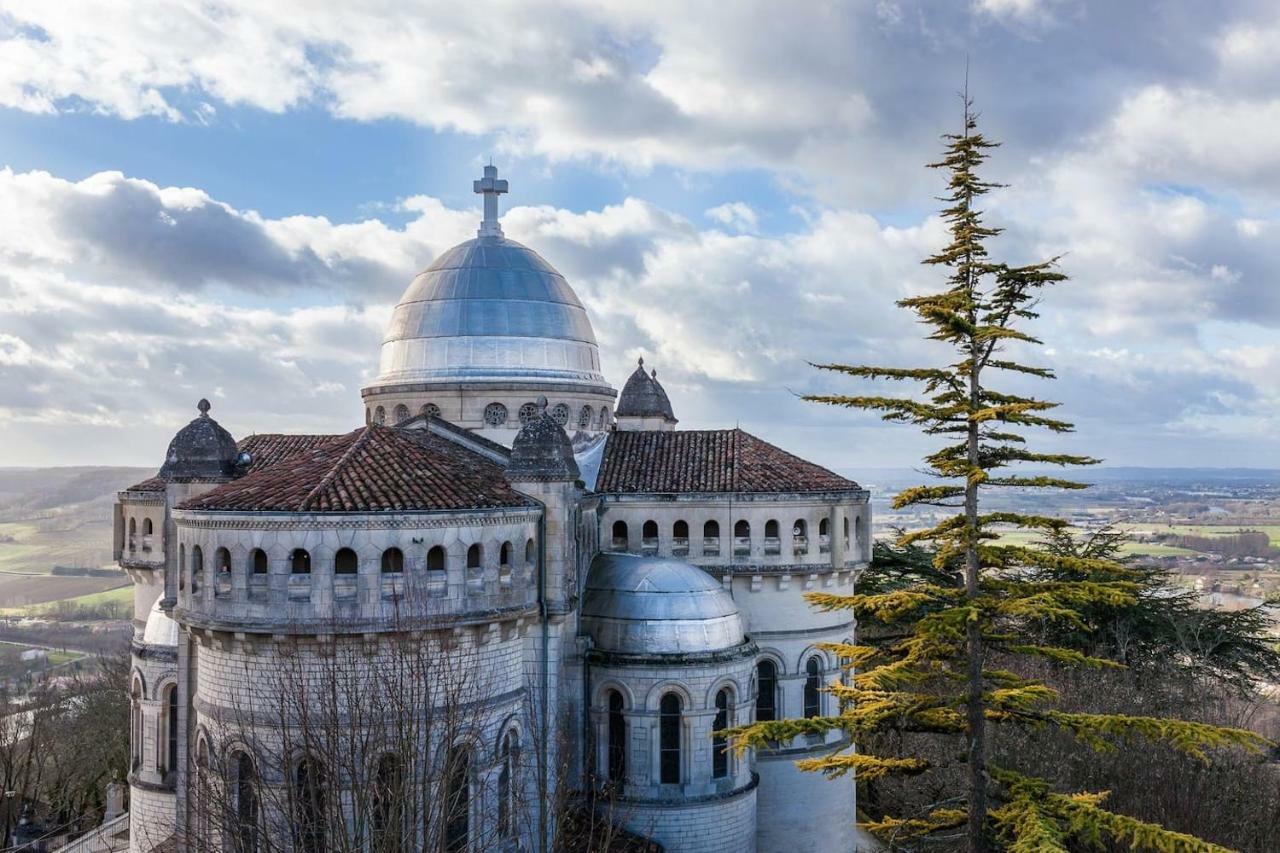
509,611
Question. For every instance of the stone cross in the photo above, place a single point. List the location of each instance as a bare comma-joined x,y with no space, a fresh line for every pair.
490,187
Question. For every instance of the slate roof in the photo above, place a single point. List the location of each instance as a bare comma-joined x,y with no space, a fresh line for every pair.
370,469
643,396
726,460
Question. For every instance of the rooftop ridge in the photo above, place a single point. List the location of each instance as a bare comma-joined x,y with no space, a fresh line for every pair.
335,468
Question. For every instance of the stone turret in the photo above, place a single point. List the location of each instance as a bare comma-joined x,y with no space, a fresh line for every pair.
643,404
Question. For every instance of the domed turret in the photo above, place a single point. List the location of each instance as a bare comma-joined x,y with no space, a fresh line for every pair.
202,450
482,332
542,450
643,403
651,605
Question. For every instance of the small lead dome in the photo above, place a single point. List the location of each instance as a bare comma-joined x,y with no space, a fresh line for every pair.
202,450
652,605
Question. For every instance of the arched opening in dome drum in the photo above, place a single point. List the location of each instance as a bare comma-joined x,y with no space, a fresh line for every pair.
147,530
772,541
680,538
345,562
711,539
824,536
649,537
197,568
401,414
299,562
741,538
813,687
584,418
436,559
430,410
669,735
616,757
619,542
560,414
719,744
379,416
766,691
475,557
392,561
604,417
133,534
800,537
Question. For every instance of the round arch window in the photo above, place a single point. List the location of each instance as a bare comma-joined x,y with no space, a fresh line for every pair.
528,412
495,414
560,414
584,418
431,410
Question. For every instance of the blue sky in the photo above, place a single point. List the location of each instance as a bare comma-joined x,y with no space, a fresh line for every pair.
227,200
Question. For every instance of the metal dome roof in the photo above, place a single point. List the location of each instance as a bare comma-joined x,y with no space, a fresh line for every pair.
652,605
160,629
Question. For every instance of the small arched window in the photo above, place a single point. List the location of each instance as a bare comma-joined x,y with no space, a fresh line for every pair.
604,417
402,413
182,567
388,806
584,418
766,691
711,530
680,531
436,559
742,530
309,786
771,529
504,555
392,561
300,562
649,532
345,562
133,527
507,757
846,529
617,744
222,561
475,556
197,560
619,536
813,687
147,528
430,410
258,561
246,790
379,416
824,527
719,744
135,723
530,552
457,801
669,739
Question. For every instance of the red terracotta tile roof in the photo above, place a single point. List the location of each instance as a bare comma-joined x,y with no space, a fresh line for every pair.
371,469
155,484
269,448
724,460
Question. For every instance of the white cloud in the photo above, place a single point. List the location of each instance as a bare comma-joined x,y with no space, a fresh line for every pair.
735,214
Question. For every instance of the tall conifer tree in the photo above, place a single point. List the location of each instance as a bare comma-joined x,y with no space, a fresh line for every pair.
947,644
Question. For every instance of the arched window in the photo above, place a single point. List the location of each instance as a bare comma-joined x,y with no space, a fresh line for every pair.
741,538
772,543
719,745
430,410
649,536
617,755
457,802
766,691
475,556
711,539
604,417
222,563
309,784
402,413
171,729
669,739
530,553
824,535
197,560
345,562
495,414
133,534
504,555
392,561
379,416
204,794
771,529
846,531
246,790
711,530
506,788
527,412
300,562
584,418
436,559
800,537
560,414
182,567
619,536
147,528
368,416
824,527
812,687
135,723
388,806
259,561
680,531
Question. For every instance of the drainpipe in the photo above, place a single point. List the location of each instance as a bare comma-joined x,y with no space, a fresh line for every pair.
543,841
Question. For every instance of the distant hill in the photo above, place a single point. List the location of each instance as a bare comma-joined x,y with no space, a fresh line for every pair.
1109,474
25,492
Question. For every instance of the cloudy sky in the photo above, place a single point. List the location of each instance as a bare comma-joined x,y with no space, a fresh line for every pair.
225,199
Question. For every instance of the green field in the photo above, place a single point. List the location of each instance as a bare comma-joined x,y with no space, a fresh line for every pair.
121,594
1146,549
1272,530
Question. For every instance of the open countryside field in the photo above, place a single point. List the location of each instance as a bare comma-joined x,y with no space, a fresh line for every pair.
21,591
1272,530
36,546
1147,549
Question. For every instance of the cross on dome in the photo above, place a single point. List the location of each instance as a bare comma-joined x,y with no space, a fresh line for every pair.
490,187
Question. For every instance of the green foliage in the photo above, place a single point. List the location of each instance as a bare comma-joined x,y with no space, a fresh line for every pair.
947,610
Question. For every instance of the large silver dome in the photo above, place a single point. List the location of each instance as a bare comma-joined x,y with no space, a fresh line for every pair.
489,309
652,605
